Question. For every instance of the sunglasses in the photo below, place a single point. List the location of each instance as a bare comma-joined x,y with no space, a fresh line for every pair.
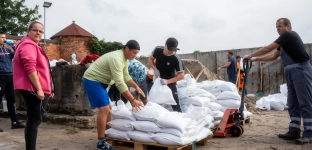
36,30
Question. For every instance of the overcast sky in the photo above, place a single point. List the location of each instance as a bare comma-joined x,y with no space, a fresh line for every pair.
205,25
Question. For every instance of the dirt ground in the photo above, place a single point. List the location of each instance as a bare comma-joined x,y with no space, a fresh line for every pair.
260,134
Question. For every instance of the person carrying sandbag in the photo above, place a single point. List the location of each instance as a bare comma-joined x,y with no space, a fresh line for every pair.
168,67
110,68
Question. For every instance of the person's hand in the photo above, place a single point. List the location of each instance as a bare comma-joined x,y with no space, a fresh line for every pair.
40,94
253,59
219,68
139,90
136,104
52,95
156,73
246,57
163,81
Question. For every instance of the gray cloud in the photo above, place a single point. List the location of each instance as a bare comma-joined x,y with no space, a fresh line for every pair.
98,7
204,23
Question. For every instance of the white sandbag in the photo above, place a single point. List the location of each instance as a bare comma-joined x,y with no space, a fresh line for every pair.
217,114
174,120
168,107
181,83
208,119
197,101
141,136
182,93
215,92
122,114
197,113
277,105
210,126
200,127
209,85
216,122
214,106
121,124
145,126
185,133
195,92
228,95
203,134
128,105
227,86
161,94
169,139
113,133
283,89
263,103
229,104
189,80
53,63
150,112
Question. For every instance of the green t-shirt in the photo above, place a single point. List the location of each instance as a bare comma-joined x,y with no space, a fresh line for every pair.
110,68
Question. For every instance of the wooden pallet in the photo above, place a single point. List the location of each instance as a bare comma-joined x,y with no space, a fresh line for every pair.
143,145
247,120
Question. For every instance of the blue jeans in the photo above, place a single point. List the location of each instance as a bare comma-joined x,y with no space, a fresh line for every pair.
299,98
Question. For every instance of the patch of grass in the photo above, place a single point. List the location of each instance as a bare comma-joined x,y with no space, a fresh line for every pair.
72,130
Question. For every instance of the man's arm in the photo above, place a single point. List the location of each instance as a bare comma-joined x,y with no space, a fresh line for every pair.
226,65
264,50
151,62
269,57
180,76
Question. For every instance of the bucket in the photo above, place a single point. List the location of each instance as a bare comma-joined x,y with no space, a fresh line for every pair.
4,104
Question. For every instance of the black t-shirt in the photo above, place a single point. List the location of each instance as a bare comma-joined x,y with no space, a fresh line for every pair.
167,65
293,46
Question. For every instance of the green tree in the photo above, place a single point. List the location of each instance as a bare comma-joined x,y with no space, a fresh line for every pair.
15,16
100,47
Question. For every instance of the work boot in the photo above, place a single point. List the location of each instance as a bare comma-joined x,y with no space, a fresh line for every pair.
103,145
290,136
1,130
17,125
303,140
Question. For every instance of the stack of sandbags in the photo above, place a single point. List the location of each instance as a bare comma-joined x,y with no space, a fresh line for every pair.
276,101
155,124
226,95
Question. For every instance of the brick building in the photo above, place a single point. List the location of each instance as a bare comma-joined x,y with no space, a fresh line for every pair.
73,38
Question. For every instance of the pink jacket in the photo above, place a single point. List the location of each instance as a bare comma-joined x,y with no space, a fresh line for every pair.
30,57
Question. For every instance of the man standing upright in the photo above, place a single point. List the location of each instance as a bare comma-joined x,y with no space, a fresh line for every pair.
230,67
6,80
298,73
168,66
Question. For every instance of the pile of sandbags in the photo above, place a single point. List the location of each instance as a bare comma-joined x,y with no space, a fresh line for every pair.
216,95
274,102
155,124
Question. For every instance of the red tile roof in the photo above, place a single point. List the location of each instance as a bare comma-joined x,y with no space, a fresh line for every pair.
73,29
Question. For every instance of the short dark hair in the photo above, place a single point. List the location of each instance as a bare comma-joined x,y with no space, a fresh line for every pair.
238,56
286,21
230,53
32,24
2,32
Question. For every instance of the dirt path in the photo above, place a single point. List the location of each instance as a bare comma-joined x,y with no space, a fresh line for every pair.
260,134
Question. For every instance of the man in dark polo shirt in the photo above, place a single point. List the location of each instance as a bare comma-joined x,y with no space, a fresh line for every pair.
298,73
230,68
168,67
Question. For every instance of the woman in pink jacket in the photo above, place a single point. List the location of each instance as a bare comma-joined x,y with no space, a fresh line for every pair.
32,77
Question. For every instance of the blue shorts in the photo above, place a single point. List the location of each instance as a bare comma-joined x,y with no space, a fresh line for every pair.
97,95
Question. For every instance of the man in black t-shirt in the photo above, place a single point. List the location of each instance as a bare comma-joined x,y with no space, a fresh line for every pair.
168,67
298,73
